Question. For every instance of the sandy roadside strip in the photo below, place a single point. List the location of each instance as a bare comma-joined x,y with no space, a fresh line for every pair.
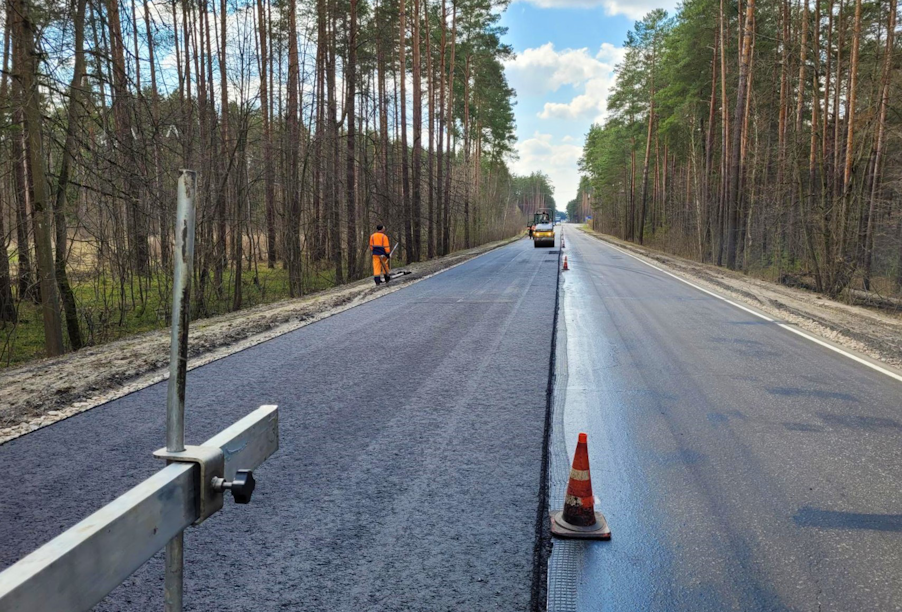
871,333
43,392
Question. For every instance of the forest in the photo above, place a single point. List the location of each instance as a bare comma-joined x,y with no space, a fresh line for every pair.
759,136
308,123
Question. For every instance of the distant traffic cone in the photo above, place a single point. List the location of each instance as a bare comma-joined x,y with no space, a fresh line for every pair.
562,242
579,519
566,267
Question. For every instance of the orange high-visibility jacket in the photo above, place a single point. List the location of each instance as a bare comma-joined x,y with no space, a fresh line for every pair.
379,244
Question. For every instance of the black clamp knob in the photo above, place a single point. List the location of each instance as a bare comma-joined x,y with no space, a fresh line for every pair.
242,487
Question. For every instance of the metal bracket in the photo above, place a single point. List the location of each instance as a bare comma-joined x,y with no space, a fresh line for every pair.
211,461
79,567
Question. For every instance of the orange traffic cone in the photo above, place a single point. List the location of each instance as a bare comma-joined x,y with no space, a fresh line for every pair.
566,267
579,519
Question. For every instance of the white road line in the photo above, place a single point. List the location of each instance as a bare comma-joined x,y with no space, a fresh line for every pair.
836,349
785,326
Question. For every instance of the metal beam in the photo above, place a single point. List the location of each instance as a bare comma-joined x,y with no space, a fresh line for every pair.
78,568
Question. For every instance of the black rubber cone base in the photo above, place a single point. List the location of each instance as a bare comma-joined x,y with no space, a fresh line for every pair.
562,529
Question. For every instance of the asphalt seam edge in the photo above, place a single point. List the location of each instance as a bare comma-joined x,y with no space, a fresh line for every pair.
542,544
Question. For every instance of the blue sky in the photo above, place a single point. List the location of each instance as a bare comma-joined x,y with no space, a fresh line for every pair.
564,68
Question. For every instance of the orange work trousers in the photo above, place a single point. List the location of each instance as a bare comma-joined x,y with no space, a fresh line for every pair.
380,265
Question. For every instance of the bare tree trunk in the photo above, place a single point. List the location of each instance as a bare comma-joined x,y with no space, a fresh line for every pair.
631,220
430,222
467,153
382,107
850,142
446,229
350,176
803,50
416,200
26,73
665,177
321,216
292,187
709,152
440,157
27,285
832,178
405,169
821,281
62,184
331,174
743,147
269,179
781,130
827,75
204,224
725,136
732,209
8,311
181,78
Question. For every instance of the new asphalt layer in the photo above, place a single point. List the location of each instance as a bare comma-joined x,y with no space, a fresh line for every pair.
740,466
410,470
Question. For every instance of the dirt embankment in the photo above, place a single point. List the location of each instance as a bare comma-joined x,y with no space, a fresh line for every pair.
869,332
45,391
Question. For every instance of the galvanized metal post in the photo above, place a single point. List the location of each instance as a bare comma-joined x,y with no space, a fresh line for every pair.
181,298
178,364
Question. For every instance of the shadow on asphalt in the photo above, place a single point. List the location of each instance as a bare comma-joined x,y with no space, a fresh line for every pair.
831,519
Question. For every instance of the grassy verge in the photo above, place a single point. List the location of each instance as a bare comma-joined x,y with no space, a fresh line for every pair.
109,309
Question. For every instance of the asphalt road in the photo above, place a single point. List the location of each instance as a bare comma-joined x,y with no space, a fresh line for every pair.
740,467
409,472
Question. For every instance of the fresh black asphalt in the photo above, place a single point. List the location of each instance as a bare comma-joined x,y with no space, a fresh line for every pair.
740,466
409,473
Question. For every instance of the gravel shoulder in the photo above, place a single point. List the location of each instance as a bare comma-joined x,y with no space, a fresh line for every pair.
875,334
43,392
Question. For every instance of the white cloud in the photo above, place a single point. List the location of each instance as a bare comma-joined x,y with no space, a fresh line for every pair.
633,9
557,160
591,103
540,152
544,69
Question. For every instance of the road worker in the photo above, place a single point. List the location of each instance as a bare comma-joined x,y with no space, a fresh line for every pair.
380,248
